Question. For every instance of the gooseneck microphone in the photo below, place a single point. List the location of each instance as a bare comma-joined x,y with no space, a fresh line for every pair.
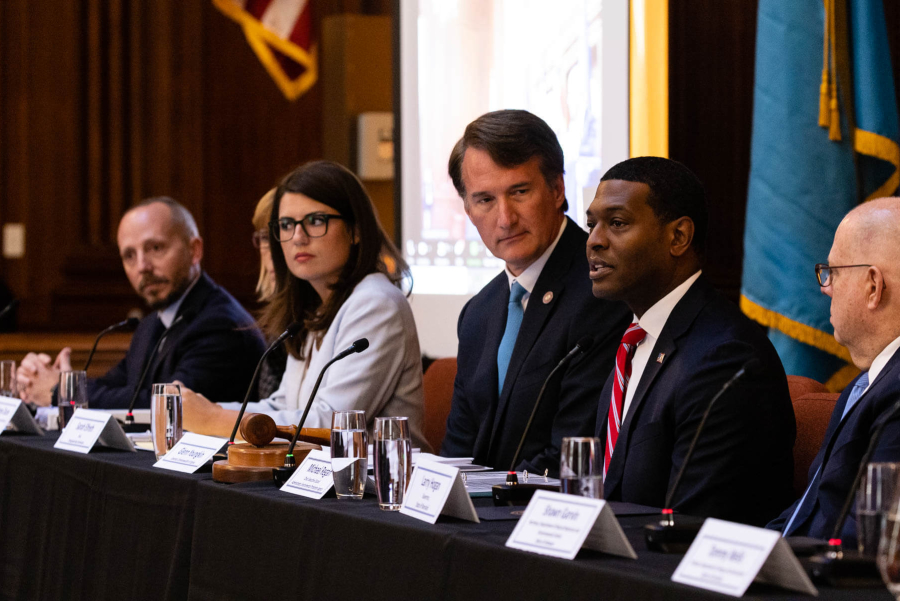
282,474
12,305
129,324
513,493
290,332
666,536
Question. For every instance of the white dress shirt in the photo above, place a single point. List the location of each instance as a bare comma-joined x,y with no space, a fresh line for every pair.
880,361
529,277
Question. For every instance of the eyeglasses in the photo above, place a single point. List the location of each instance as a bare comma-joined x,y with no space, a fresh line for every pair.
260,238
824,270
314,225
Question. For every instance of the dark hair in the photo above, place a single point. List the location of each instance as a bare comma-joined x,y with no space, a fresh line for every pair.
295,299
510,137
181,217
674,192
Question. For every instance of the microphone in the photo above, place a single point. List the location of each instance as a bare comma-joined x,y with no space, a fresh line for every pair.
836,566
288,333
282,474
666,536
12,305
130,426
131,323
513,493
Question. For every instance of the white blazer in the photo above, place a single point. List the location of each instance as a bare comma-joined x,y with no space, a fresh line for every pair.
385,380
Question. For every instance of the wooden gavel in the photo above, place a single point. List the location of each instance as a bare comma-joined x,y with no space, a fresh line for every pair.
259,430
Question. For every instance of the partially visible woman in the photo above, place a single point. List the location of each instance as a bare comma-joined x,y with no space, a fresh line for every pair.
331,275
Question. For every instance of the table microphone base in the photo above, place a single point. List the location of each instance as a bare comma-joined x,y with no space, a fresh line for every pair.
669,536
132,428
844,569
517,494
282,474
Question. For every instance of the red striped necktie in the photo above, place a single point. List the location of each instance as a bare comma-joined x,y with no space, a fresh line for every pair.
633,335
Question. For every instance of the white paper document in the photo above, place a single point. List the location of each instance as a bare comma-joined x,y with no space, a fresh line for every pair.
436,489
726,557
313,477
479,484
87,428
14,414
190,453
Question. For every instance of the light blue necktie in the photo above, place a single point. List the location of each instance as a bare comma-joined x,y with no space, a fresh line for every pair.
514,314
857,391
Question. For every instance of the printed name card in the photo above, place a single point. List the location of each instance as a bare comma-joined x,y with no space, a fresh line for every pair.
726,557
13,412
436,489
87,428
560,525
190,453
313,477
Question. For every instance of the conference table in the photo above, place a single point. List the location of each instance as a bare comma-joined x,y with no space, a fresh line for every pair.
108,525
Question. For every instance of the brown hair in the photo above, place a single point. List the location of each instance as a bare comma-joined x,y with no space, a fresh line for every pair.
294,299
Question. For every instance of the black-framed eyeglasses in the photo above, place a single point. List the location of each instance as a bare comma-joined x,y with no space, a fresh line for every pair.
314,225
260,238
824,270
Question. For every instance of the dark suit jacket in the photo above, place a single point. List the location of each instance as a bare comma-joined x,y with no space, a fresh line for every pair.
742,465
489,428
841,452
213,350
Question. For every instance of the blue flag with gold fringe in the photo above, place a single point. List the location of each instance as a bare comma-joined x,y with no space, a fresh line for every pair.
825,138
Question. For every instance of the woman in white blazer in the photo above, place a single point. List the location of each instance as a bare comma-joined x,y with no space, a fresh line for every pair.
340,276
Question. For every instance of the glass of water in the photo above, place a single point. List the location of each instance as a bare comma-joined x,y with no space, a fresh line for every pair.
876,490
349,453
888,555
392,454
165,417
8,379
581,467
72,395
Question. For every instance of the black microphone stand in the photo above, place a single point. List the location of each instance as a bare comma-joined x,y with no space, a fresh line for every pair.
131,323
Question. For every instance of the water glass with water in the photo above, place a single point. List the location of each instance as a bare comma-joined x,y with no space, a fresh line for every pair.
72,395
888,556
349,453
392,454
876,490
581,467
165,417
8,379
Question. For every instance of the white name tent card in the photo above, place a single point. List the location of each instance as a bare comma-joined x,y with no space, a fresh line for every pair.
726,557
313,477
436,489
87,428
13,412
190,453
560,525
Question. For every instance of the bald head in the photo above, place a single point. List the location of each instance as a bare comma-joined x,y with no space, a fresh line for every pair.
871,231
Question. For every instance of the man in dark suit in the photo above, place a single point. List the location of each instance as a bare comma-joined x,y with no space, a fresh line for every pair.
210,344
648,226
863,263
508,169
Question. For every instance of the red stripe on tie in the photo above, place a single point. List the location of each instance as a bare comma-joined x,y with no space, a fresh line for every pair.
633,335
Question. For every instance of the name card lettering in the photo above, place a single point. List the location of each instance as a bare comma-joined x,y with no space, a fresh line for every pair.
313,477
14,414
436,489
88,428
190,453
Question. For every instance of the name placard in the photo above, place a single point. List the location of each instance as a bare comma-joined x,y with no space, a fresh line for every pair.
560,525
726,557
190,453
13,412
436,489
87,428
313,477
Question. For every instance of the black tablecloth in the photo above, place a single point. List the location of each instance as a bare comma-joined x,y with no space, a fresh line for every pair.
109,526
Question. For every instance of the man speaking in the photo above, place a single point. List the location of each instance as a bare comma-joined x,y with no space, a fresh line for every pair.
211,343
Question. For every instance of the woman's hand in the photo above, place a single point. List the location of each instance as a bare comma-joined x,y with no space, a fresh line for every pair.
202,416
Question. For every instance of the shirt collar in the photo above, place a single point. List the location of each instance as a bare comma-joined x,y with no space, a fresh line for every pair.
167,315
528,278
881,360
655,318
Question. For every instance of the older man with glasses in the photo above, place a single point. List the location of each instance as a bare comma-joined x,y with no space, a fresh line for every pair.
862,271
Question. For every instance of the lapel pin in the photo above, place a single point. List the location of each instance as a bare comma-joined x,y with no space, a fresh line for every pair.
548,297
660,358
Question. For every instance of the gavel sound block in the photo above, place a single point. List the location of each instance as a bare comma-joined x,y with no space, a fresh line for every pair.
254,459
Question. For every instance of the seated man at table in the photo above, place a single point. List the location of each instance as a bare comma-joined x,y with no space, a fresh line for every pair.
863,265
648,225
508,169
211,343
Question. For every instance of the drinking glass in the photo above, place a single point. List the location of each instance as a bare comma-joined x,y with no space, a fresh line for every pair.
165,417
581,467
876,490
349,453
888,556
392,454
8,379
72,395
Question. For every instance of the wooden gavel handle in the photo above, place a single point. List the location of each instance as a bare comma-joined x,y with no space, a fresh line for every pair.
259,430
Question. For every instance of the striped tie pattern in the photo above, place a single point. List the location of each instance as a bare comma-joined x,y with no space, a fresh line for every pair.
633,335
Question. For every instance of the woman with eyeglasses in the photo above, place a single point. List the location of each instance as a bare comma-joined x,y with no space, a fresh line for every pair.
336,272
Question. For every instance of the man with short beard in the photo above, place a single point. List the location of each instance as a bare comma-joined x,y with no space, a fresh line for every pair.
211,343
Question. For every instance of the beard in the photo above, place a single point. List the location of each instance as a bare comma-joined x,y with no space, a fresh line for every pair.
161,303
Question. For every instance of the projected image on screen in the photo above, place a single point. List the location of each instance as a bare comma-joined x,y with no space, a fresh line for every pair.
475,56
